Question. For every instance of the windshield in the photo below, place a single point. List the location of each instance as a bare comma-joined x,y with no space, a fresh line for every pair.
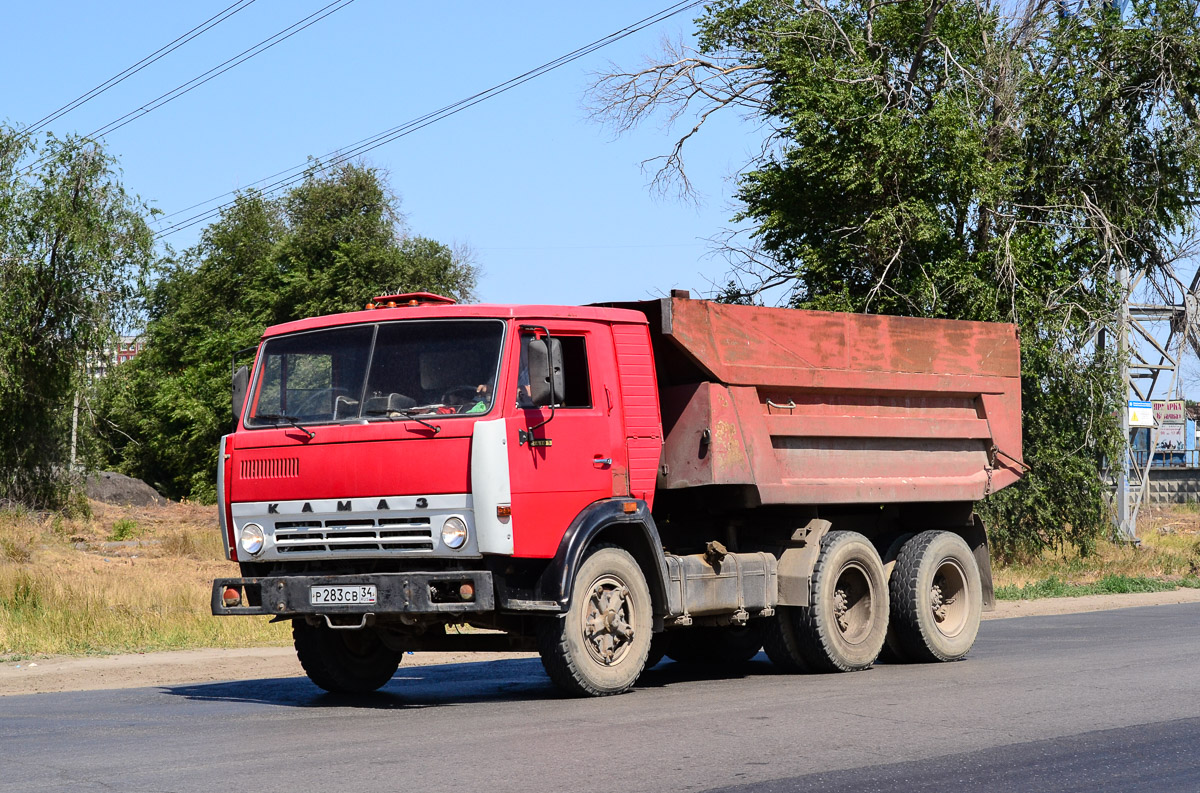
389,371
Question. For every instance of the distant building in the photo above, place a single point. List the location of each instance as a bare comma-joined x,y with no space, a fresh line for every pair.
125,349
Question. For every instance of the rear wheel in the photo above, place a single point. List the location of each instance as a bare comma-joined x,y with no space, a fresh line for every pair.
729,645
600,646
844,626
889,654
937,598
342,661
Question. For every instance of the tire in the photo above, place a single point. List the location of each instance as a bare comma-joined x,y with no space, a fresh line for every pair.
889,654
780,642
937,598
600,646
844,627
731,645
344,662
892,553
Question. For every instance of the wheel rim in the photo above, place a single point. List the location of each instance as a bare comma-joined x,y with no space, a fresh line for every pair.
853,603
948,600
608,621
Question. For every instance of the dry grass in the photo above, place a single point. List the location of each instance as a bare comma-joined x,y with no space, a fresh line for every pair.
66,587
1170,552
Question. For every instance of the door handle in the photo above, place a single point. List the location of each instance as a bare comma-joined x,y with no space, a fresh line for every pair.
602,461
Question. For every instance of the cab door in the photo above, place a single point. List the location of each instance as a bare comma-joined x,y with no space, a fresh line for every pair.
567,463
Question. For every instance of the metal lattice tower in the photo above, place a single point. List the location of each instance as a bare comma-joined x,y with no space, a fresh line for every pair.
1156,330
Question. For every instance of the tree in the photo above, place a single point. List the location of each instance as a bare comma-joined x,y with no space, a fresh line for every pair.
333,242
962,159
73,246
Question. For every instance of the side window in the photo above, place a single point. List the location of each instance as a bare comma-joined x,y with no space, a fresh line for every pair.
575,373
576,382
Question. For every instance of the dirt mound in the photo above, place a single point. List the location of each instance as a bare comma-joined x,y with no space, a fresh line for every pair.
114,488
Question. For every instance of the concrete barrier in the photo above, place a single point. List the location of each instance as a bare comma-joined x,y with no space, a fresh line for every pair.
1174,485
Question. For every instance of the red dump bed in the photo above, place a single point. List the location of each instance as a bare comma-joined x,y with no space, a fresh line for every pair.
811,407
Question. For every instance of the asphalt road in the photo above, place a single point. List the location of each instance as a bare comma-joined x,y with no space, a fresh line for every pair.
1099,701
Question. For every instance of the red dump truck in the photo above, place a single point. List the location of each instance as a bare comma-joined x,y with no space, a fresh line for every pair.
607,484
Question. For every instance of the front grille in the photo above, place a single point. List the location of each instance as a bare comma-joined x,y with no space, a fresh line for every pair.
387,535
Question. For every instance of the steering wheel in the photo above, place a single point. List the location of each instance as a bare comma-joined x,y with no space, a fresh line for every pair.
462,395
317,405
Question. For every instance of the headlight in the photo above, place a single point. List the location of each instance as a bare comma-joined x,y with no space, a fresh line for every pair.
252,538
454,533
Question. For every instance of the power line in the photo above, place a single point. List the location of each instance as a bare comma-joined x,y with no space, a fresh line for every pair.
297,173
216,71
221,68
592,247
157,55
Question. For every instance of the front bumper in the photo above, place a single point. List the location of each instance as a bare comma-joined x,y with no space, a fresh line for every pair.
398,593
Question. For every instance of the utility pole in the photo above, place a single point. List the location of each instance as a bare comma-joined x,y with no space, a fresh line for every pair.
74,427
1126,527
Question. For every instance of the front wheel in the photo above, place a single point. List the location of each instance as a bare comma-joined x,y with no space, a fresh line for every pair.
342,661
600,646
844,626
937,598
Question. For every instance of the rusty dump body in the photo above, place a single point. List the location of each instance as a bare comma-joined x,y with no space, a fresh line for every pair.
819,408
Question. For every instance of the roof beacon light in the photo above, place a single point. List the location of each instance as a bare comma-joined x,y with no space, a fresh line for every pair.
413,299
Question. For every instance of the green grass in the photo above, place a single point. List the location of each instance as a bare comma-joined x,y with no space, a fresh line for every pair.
1055,587
124,529
1167,558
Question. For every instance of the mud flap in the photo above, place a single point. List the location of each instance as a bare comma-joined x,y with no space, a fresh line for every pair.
976,537
797,563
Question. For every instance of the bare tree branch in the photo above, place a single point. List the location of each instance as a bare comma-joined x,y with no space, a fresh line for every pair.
680,82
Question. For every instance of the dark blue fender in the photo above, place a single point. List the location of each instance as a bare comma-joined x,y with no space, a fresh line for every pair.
607,521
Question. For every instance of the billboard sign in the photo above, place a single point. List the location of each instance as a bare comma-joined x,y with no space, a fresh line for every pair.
1169,411
1171,438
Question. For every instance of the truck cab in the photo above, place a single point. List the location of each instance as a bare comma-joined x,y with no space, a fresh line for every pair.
401,468
362,434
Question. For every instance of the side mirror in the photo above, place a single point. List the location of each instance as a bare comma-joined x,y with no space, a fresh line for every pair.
241,382
545,372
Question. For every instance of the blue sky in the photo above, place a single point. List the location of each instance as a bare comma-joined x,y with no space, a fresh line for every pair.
555,208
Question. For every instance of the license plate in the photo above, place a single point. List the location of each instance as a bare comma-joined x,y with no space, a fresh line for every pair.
341,595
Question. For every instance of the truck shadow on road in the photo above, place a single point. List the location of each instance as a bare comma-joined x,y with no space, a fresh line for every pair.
412,687
516,680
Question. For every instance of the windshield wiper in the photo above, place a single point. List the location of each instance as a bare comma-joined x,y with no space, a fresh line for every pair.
407,413
278,417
